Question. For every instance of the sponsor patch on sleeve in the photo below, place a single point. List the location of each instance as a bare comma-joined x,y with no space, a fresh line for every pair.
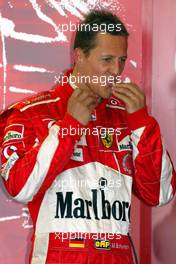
13,133
9,164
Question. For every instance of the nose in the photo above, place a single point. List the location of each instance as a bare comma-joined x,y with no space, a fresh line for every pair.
115,68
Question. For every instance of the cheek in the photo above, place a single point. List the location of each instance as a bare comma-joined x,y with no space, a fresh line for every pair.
100,70
95,68
121,68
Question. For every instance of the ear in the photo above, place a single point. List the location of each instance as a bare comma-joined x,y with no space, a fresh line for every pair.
78,56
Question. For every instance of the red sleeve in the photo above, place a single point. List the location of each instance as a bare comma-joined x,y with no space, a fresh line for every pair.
154,175
29,167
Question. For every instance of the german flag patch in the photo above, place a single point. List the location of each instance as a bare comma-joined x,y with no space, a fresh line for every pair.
76,243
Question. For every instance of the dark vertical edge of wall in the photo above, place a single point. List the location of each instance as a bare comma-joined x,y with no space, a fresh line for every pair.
147,36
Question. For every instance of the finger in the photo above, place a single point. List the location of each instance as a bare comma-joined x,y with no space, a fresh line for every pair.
75,93
124,98
130,86
82,95
85,94
137,97
126,92
86,88
91,108
90,101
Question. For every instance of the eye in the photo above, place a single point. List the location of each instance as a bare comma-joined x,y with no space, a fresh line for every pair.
122,59
107,60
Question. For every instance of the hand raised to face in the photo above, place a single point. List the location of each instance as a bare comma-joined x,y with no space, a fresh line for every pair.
131,95
81,104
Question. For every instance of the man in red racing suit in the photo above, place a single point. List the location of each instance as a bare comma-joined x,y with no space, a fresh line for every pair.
77,177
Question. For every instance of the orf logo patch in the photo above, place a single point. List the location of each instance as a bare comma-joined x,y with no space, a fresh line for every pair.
102,244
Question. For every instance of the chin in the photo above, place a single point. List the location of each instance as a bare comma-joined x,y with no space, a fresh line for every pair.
107,93
104,92
107,96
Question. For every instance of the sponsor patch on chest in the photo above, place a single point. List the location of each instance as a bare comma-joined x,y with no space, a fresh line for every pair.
77,154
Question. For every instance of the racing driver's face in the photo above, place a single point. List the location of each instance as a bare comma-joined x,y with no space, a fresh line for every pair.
104,63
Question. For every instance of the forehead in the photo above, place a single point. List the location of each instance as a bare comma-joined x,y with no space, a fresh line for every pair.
114,45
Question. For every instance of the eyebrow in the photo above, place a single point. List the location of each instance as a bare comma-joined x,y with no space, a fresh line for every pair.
104,56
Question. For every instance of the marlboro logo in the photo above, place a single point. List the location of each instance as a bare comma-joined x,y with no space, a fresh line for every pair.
68,207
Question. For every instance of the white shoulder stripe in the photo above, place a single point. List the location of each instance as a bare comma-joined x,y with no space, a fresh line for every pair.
135,138
38,103
40,249
166,191
42,165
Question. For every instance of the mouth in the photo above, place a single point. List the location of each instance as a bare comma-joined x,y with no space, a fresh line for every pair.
109,86
109,89
109,83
